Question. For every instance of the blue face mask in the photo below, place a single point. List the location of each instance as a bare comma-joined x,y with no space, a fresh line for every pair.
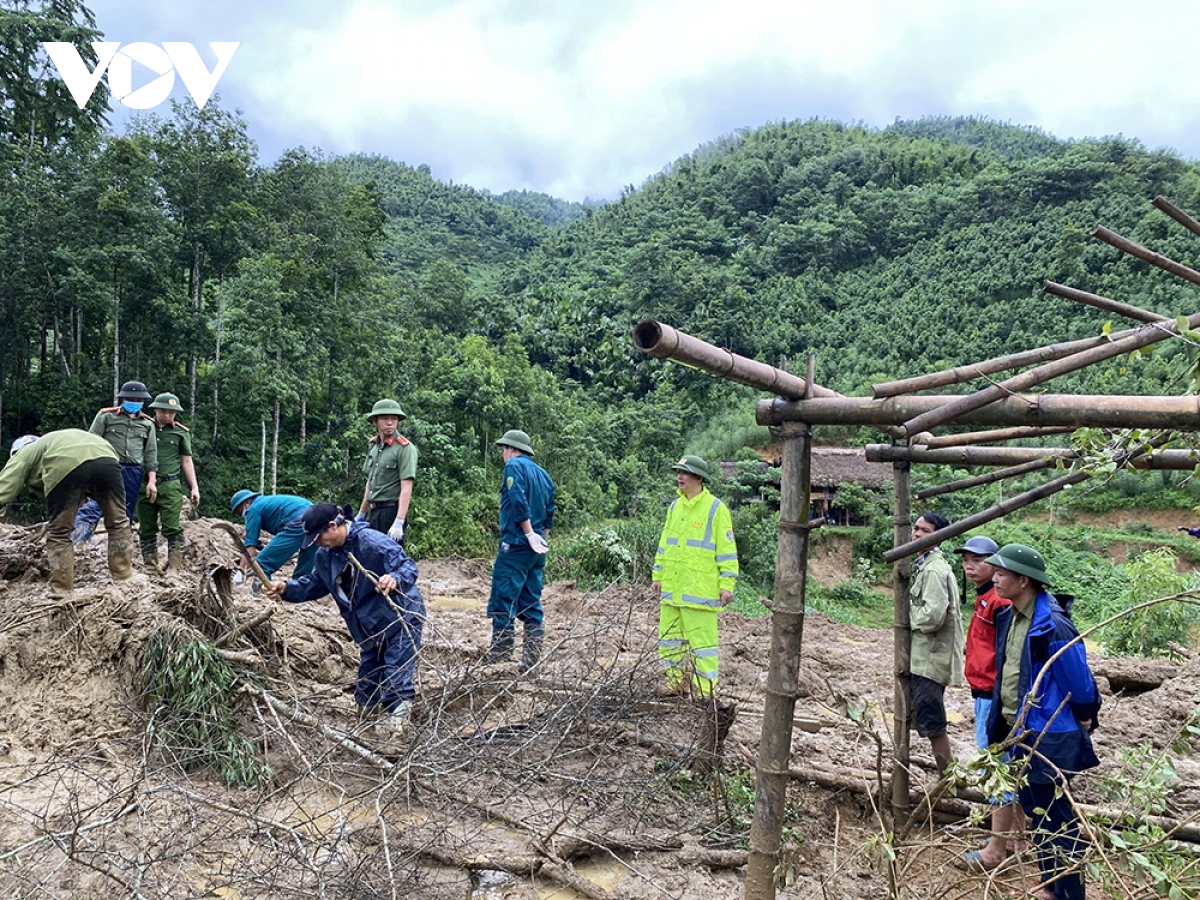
130,407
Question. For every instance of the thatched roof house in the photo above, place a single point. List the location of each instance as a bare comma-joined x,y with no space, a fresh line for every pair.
832,466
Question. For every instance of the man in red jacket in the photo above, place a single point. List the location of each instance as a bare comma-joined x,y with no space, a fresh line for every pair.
980,671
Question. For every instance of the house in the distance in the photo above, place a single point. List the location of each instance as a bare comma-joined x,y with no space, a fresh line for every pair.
833,466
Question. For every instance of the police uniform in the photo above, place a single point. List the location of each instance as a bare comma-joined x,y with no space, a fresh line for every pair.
174,442
132,436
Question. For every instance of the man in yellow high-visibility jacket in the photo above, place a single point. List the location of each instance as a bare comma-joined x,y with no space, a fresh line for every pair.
694,571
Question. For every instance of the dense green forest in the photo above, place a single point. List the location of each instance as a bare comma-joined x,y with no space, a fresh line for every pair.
280,300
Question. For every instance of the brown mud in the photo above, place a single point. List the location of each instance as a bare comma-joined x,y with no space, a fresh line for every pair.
574,780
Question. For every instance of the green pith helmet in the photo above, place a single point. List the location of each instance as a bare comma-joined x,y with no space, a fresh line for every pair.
1022,560
385,407
517,439
133,390
695,465
166,401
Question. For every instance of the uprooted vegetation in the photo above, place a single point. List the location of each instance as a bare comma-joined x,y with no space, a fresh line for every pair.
169,738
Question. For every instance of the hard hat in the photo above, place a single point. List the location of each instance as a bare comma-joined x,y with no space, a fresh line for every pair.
695,465
1022,560
385,407
241,497
517,439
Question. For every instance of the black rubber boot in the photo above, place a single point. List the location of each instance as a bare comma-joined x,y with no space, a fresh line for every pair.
501,649
531,648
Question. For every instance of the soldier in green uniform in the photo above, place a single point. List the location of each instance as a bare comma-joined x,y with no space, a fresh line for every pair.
131,434
391,467
174,465
68,466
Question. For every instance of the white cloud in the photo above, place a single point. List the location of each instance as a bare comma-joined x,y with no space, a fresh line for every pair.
578,98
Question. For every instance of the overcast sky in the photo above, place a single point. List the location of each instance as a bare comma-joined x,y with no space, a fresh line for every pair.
578,99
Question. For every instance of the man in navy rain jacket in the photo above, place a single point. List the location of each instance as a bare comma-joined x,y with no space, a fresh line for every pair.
385,619
526,517
1057,719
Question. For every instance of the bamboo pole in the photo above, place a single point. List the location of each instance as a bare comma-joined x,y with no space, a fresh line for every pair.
1146,255
1143,337
1041,410
862,781
1000,509
664,342
995,436
965,457
1174,460
970,372
1104,303
783,668
986,478
901,644
1162,203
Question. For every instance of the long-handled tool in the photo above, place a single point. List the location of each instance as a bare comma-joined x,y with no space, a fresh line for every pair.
254,566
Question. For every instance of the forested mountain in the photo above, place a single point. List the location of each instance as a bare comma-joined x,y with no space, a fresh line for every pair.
280,301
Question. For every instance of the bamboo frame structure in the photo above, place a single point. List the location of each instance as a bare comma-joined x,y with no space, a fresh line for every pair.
802,404
783,669
1095,411
995,436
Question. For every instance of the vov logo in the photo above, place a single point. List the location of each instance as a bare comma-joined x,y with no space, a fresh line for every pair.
165,61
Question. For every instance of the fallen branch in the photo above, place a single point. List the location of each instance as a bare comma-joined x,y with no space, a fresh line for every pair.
343,740
232,635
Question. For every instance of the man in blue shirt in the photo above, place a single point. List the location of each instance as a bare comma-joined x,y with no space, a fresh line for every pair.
526,516
280,515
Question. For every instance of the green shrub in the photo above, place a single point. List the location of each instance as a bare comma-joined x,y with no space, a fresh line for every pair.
592,557
1149,632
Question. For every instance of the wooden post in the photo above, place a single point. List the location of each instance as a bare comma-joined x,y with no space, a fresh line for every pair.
986,478
664,342
970,372
1162,203
1104,303
1143,337
1041,410
783,667
901,644
1174,460
995,436
1145,255
1000,509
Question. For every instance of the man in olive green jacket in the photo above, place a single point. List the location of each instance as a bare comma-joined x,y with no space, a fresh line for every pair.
131,433
174,465
68,466
391,468
937,639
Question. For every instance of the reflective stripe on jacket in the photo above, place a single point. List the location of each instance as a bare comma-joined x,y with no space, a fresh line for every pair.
697,555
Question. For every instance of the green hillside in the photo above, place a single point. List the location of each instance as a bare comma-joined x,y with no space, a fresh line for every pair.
280,302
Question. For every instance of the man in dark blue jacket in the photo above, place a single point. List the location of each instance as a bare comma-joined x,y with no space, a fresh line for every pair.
526,516
385,618
1051,705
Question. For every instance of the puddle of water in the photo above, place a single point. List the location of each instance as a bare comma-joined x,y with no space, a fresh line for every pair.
441,601
607,873
493,885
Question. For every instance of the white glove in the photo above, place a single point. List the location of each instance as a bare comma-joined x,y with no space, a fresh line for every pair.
537,543
396,532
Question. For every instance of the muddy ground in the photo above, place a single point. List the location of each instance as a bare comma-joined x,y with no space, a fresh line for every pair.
574,780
